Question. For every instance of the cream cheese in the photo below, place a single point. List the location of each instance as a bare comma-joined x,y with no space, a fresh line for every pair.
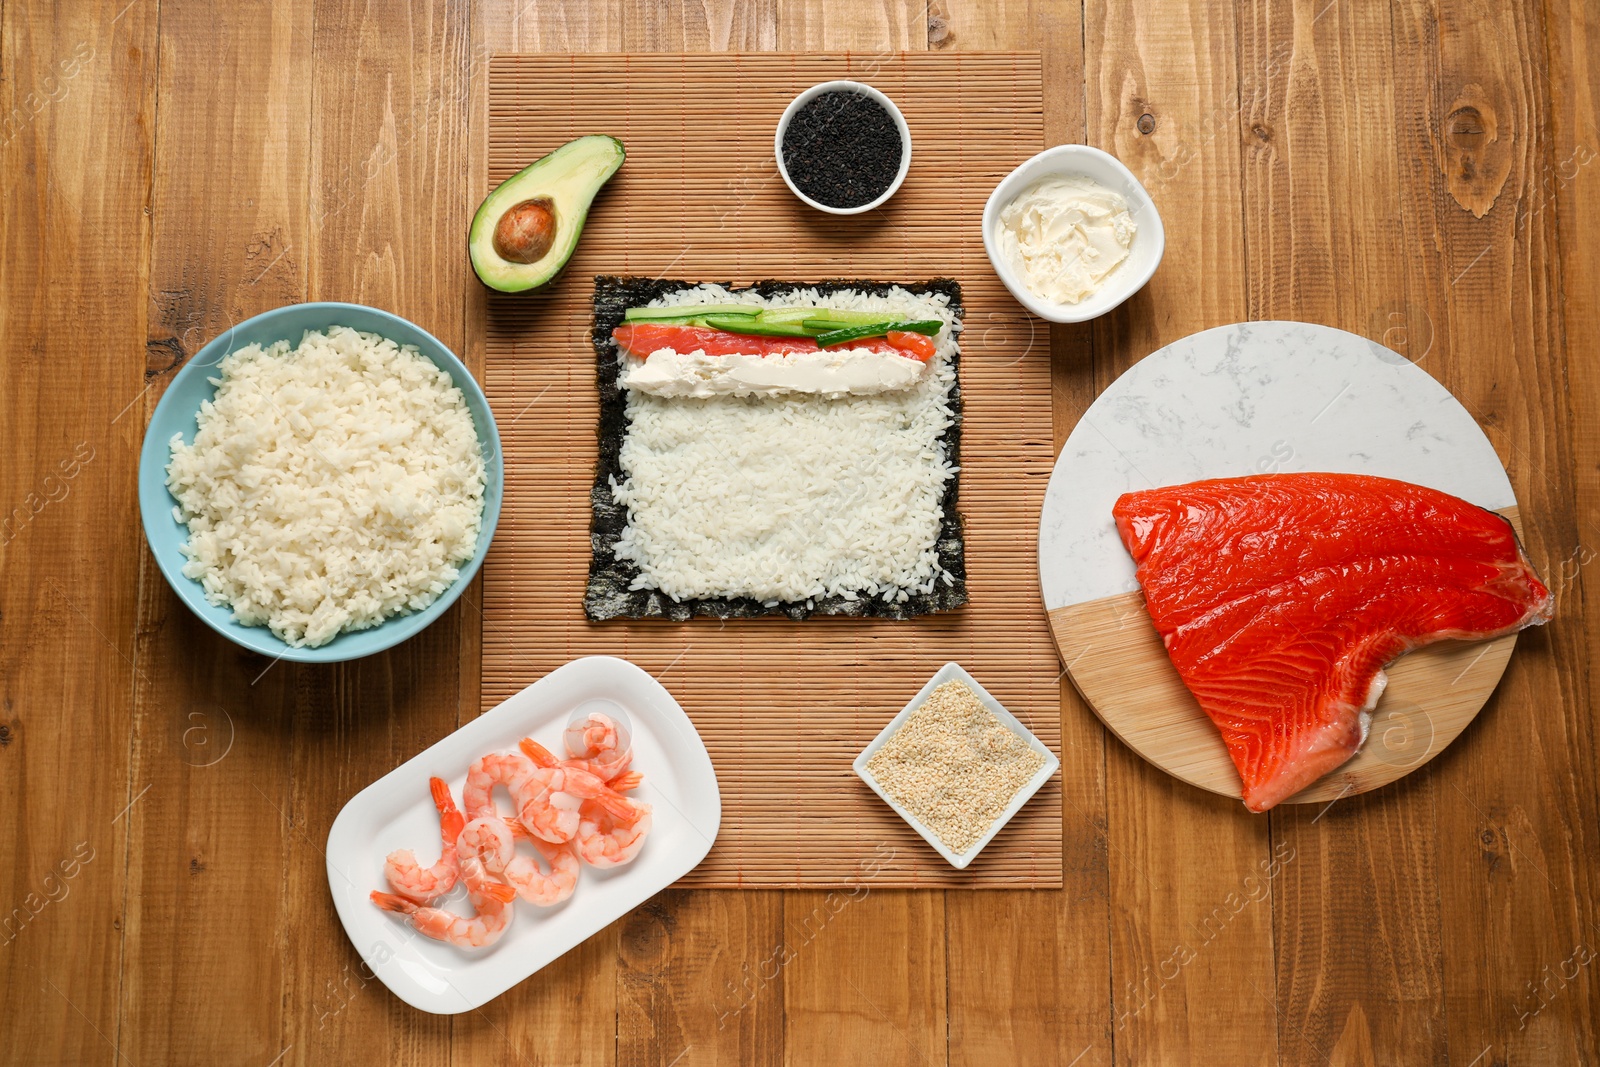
1064,235
835,372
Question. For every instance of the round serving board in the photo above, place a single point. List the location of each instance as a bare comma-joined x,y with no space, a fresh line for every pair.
1255,398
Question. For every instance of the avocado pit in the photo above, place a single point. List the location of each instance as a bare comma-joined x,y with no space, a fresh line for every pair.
526,231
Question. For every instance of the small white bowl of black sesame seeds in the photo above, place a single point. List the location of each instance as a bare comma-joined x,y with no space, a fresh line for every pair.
843,147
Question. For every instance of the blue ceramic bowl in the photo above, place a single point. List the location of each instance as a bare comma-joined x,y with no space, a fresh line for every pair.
177,414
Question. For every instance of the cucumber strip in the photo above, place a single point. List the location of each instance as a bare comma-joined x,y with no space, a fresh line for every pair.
877,329
689,311
691,320
849,318
755,327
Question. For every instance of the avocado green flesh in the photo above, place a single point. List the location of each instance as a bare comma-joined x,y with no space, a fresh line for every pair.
852,318
756,327
568,179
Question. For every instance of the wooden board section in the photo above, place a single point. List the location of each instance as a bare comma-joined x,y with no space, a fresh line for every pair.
782,738
1117,661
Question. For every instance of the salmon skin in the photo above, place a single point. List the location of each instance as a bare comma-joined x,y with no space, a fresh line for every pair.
1282,597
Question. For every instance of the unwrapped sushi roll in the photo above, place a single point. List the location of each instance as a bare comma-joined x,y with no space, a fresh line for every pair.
783,448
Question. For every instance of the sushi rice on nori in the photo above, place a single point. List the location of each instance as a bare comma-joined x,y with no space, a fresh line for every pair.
740,506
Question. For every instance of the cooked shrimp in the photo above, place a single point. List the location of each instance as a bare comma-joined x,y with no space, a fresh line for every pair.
488,838
609,839
491,899
557,790
532,882
493,840
510,769
620,783
423,884
601,742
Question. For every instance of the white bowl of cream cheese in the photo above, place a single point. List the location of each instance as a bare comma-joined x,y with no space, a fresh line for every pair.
1072,233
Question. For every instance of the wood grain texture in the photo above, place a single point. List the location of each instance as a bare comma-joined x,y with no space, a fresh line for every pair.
701,978
866,29
76,105
1418,173
1571,188
1519,826
865,971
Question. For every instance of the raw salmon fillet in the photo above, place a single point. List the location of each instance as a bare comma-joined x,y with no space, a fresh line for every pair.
1282,597
642,338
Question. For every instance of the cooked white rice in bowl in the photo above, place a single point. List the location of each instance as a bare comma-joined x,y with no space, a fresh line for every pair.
329,486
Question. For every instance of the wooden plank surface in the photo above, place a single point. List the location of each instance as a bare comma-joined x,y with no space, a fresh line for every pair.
1417,173
76,109
1528,824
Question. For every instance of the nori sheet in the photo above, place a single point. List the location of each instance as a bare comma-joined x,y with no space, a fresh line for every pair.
608,595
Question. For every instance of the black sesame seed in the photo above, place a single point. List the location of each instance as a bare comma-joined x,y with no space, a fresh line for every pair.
842,149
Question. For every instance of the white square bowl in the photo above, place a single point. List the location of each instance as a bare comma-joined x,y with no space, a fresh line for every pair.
953,672
397,812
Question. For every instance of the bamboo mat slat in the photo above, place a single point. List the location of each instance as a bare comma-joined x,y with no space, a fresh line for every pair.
784,707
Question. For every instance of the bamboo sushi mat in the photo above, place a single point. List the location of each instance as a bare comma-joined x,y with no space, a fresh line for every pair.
784,707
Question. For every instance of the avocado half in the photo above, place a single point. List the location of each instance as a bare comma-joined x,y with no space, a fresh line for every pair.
526,230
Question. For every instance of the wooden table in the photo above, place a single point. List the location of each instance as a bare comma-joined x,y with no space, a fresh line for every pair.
1417,175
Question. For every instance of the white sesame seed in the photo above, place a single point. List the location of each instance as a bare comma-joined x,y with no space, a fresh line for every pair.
954,765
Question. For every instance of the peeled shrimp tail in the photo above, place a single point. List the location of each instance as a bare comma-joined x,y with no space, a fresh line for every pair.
540,755
499,892
409,878
393,902
624,811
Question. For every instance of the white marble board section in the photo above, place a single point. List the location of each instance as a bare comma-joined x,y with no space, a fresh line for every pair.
1251,398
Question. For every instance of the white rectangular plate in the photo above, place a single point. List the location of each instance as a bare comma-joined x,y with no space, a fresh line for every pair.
396,811
949,672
